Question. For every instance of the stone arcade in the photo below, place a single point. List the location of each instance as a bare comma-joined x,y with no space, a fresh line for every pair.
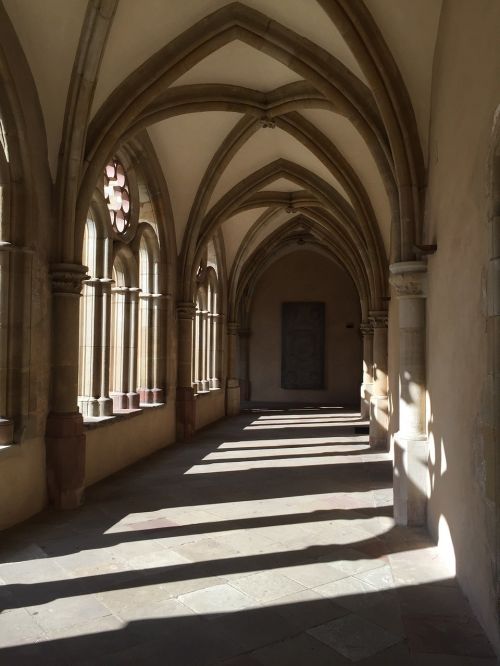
281,214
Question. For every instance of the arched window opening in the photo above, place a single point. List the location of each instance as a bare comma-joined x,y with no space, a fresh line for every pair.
214,330
122,362
197,346
207,329
124,330
150,320
93,384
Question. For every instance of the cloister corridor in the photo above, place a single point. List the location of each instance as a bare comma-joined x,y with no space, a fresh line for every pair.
266,540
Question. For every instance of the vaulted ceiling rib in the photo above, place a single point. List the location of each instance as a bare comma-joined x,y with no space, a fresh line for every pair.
252,108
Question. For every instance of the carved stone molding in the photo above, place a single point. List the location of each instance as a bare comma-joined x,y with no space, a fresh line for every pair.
67,278
366,328
378,318
232,328
409,279
186,310
267,123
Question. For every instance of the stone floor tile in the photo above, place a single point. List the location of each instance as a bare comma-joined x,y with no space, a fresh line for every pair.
32,571
67,612
299,651
306,609
354,637
446,634
396,655
350,592
266,586
205,550
213,569
217,599
314,574
379,578
18,627
247,542
451,660
157,558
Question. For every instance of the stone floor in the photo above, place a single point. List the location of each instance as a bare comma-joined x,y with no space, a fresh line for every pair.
268,540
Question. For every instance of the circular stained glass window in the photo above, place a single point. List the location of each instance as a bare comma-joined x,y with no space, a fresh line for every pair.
117,195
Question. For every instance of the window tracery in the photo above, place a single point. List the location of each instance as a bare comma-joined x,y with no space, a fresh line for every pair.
121,312
207,330
117,195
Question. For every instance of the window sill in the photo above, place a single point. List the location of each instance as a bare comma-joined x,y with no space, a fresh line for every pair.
93,422
201,394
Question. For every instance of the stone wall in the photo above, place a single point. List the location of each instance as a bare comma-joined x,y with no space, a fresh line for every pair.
466,94
306,276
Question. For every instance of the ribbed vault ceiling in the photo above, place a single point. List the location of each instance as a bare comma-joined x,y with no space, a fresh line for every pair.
241,132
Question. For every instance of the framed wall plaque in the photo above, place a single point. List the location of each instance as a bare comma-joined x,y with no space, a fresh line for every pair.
303,346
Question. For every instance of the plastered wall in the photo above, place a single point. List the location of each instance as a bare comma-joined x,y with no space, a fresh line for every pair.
119,444
209,407
305,275
466,93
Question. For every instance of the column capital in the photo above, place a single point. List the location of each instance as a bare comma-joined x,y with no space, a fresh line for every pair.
186,310
409,279
67,278
378,318
366,327
232,327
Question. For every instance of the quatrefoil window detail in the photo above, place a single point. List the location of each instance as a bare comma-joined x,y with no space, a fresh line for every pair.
117,195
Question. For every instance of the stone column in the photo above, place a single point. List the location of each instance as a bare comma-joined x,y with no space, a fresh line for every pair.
410,447
185,414
93,398
196,341
379,416
119,357
205,352
233,381
65,436
151,366
158,361
244,339
17,292
367,386
105,401
133,397
215,345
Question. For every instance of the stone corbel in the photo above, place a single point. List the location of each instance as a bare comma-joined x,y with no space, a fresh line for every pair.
186,310
378,319
409,279
68,278
366,328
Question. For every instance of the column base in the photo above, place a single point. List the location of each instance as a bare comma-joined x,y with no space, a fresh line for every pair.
410,480
232,397
105,406
366,394
90,406
6,432
134,400
185,414
65,454
151,396
379,422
